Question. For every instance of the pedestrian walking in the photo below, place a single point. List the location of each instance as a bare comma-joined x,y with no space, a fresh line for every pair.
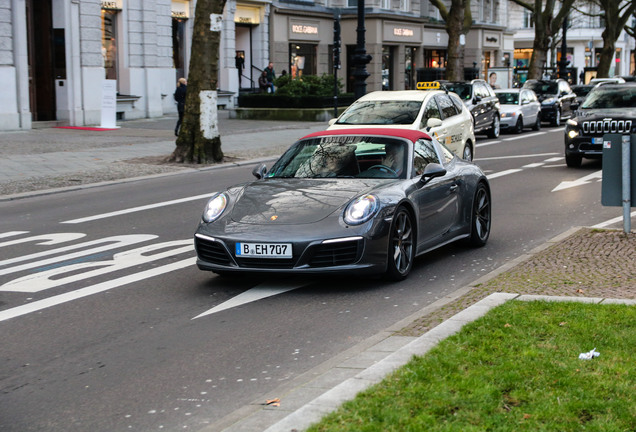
271,76
180,97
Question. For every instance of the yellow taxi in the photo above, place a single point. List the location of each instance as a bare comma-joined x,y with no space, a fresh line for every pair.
439,113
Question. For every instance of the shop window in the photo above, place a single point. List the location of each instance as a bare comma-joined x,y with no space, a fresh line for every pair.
410,54
387,68
178,46
302,59
109,43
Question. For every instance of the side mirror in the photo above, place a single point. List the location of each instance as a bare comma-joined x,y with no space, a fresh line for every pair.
477,99
332,121
431,171
433,122
259,171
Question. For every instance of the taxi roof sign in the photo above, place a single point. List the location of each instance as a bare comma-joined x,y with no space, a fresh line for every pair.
427,85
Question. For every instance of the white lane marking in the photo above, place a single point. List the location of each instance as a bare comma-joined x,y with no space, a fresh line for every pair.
136,209
524,136
579,182
112,243
12,233
84,292
59,276
516,156
612,221
50,239
503,173
257,293
534,165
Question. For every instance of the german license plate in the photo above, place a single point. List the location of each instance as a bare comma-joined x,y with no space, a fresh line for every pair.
264,250
597,140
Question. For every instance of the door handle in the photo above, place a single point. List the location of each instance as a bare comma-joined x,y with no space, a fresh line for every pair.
454,188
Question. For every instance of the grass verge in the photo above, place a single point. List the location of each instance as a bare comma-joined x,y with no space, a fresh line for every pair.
515,369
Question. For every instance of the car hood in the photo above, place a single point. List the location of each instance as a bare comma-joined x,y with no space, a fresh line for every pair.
509,108
544,96
296,201
602,113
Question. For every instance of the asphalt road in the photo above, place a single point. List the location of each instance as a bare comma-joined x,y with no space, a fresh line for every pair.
106,324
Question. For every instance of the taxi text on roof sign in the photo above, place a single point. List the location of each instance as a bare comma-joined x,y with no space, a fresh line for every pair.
427,85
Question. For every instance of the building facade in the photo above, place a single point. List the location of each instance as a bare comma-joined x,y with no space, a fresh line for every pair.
55,55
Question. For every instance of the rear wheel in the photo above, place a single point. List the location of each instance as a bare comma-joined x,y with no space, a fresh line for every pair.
401,246
480,217
494,130
467,154
519,126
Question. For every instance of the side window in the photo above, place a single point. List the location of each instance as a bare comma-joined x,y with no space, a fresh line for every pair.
446,105
424,154
457,102
431,111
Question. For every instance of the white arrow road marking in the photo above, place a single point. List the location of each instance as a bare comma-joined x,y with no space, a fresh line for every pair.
257,293
49,239
84,292
136,209
583,180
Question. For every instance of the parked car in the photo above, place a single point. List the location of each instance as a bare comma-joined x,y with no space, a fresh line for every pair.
482,103
610,108
352,201
581,92
519,108
612,80
558,101
440,114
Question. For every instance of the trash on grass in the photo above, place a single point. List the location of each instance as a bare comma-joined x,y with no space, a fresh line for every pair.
589,355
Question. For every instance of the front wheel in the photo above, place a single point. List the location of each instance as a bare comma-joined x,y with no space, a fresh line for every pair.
494,130
480,217
519,126
401,246
573,161
537,124
557,118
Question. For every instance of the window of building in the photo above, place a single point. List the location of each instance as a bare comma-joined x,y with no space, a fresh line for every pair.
434,58
352,3
528,20
109,43
387,68
385,4
302,59
410,54
178,45
405,5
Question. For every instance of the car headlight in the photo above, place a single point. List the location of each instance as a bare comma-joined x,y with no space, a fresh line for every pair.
508,114
549,101
214,208
361,210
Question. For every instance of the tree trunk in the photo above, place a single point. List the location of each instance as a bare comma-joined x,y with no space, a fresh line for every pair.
614,24
607,53
454,27
199,140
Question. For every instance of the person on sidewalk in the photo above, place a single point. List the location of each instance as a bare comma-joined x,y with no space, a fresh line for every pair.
179,97
271,76
263,85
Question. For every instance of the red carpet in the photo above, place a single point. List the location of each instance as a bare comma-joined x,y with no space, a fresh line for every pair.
85,128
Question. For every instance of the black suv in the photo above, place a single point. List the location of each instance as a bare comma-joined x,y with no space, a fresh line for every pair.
610,108
481,101
558,101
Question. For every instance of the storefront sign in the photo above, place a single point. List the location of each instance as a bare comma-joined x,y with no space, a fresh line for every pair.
247,15
180,9
401,32
304,29
492,40
112,4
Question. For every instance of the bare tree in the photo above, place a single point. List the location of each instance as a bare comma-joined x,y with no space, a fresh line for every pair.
458,21
546,26
616,15
199,140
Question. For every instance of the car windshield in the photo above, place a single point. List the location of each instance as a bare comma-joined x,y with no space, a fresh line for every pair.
463,90
508,98
543,87
389,112
343,156
611,97
582,90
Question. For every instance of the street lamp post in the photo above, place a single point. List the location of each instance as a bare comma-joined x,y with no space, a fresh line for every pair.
360,56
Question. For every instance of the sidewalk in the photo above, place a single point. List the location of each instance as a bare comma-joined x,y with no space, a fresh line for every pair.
49,158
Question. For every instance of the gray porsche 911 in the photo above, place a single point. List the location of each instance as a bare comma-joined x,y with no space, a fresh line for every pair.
350,201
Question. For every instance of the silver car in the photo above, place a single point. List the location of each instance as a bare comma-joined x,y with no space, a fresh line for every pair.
519,108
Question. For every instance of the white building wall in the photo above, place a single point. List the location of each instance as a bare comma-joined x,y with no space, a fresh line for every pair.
9,116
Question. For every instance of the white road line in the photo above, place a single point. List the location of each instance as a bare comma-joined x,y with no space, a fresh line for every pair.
524,136
554,159
136,209
12,233
516,156
84,292
612,221
503,173
534,165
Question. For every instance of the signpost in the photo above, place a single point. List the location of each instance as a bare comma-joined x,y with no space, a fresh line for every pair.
619,174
